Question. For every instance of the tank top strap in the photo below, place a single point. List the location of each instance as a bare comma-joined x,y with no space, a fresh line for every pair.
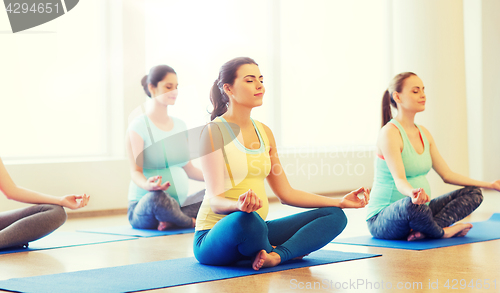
402,131
407,146
424,138
262,133
226,139
224,130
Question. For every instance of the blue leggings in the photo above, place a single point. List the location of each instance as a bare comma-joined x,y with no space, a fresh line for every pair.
241,235
398,219
159,206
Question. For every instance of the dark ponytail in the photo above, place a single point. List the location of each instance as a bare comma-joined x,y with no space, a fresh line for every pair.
387,101
227,74
219,100
156,74
396,85
144,83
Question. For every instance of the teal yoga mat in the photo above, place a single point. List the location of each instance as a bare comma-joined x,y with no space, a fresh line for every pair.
127,230
66,239
159,274
481,231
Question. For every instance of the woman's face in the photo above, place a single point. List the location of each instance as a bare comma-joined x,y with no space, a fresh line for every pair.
248,88
165,92
412,97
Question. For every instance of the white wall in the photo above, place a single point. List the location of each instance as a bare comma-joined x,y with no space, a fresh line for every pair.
106,181
428,39
474,83
482,44
491,94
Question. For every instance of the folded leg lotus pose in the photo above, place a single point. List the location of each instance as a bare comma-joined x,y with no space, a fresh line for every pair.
231,223
159,160
405,154
21,226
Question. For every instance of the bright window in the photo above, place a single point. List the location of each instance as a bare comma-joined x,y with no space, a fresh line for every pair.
197,37
54,83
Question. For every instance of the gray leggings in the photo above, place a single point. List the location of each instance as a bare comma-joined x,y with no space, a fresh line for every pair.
397,220
159,206
19,227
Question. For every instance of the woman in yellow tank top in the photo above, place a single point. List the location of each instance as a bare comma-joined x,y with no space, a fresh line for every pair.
241,153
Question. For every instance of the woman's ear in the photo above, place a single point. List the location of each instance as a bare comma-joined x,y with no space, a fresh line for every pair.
227,89
152,90
396,97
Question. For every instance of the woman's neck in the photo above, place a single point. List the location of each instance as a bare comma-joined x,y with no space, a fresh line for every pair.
406,118
156,111
239,115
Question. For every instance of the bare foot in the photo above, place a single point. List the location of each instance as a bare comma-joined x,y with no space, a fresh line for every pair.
259,260
457,230
162,226
265,260
464,232
415,235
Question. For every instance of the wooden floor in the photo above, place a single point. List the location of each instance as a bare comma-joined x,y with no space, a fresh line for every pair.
417,269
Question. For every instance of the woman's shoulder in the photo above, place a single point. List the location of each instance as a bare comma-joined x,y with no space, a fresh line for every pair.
389,130
423,129
426,132
212,128
257,122
137,124
389,135
267,131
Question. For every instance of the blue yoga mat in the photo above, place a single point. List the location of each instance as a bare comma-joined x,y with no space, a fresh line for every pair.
127,230
65,239
159,274
481,231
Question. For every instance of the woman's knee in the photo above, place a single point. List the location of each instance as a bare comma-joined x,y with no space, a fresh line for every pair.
417,210
58,215
154,196
250,223
159,198
475,193
337,215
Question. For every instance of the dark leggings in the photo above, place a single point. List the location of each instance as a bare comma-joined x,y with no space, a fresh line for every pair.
159,206
241,235
401,217
19,227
